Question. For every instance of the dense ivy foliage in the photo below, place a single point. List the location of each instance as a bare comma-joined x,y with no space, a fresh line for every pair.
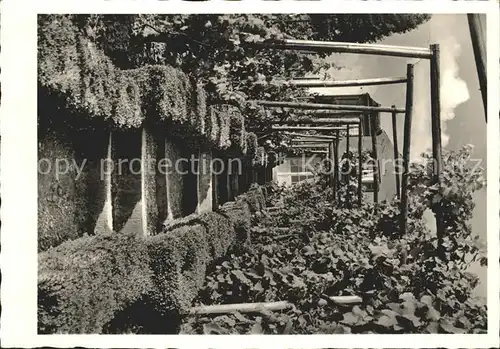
314,248
220,50
74,69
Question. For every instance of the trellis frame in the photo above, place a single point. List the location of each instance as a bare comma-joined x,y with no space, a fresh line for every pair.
432,54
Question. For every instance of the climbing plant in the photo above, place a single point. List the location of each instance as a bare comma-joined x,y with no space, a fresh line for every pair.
313,249
220,50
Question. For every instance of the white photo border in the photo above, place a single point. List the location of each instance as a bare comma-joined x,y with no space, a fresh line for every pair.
18,257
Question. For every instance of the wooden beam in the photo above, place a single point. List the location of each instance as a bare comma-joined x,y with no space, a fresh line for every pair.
299,105
308,135
317,140
478,38
304,128
312,145
396,153
347,47
314,114
345,83
406,149
352,121
242,308
262,307
326,113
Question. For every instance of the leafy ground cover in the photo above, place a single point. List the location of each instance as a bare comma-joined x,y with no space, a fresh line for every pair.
315,247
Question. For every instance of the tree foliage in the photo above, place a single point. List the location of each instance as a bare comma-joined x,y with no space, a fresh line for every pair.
218,48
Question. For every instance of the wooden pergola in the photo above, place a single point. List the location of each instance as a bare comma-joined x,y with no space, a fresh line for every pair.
332,111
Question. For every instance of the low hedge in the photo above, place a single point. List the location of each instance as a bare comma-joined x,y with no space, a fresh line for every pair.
84,282
255,198
219,230
178,260
252,144
240,214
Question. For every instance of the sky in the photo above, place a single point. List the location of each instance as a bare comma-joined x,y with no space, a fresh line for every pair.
462,110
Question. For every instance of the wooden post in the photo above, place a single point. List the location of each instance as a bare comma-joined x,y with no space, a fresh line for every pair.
435,78
396,154
478,38
345,83
347,139
332,162
298,105
373,128
336,164
360,163
348,175
406,148
348,47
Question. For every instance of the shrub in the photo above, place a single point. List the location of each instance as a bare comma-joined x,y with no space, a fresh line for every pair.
408,284
82,283
71,65
237,129
256,198
220,233
251,139
178,260
259,158
240,214
219,230
212,125
224,122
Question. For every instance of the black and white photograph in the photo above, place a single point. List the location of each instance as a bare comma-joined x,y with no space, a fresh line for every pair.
234,174
262,174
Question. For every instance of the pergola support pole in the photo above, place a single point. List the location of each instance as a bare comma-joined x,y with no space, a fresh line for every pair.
373,132
478,39
396,154
406,149
360,163
331,168
336,166
435,79
348,175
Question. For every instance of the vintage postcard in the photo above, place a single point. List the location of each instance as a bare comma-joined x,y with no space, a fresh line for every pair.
175,176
